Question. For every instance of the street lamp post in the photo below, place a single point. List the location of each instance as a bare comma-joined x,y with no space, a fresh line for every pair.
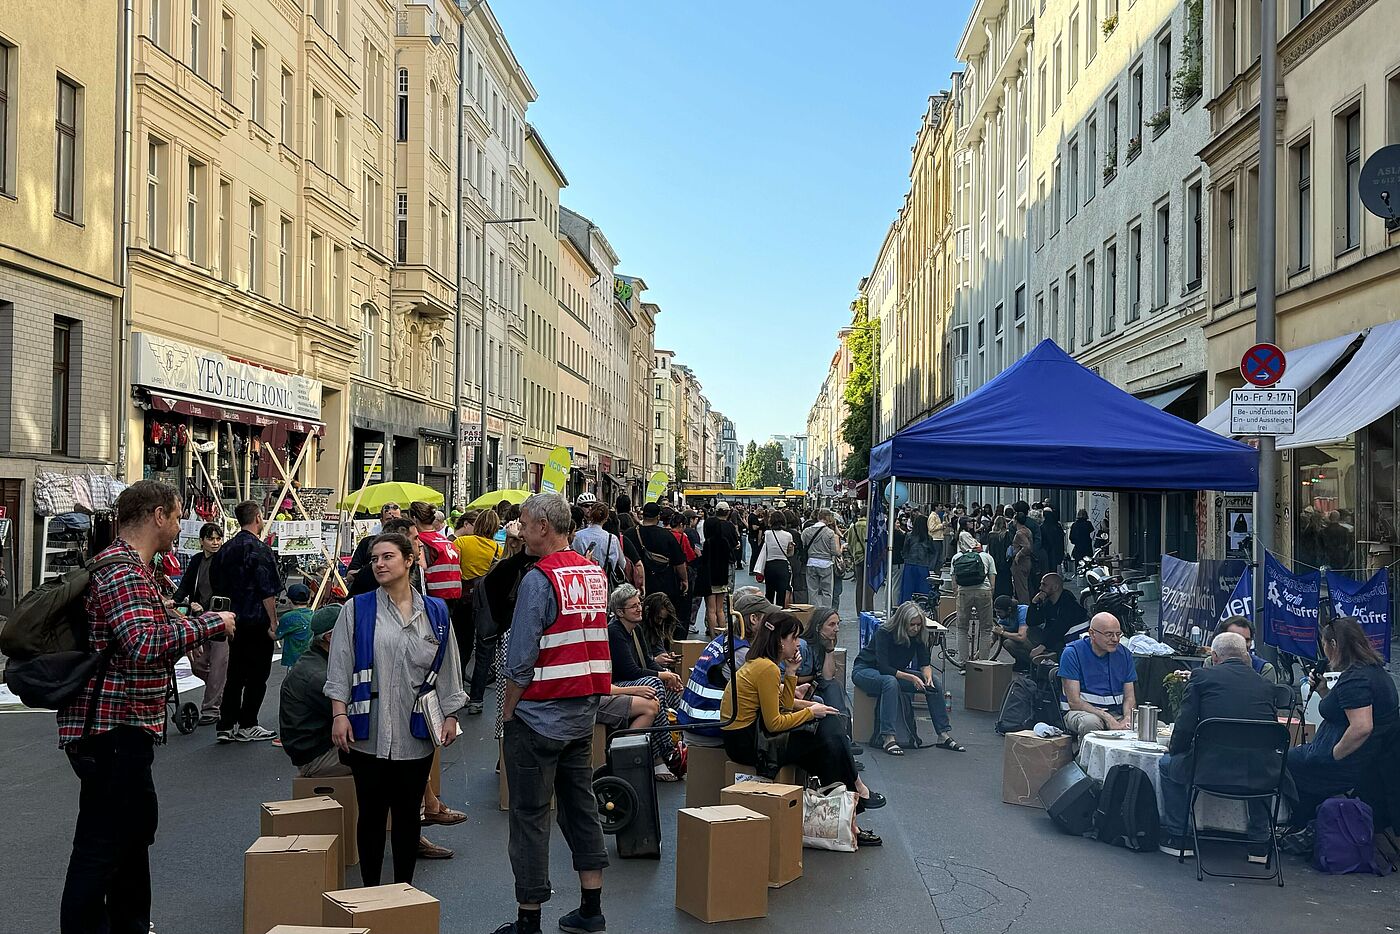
481,436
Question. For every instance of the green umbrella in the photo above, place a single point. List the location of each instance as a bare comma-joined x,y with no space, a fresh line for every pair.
489,500
376,495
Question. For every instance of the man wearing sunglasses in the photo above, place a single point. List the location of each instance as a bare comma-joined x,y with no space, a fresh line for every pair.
1096,676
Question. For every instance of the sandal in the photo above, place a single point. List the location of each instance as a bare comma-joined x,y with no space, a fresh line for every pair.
867,838
951,745
893,749
664,774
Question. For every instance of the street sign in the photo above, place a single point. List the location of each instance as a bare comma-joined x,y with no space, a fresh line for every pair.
471,433
1263,365
1263,411
515,471
1379,183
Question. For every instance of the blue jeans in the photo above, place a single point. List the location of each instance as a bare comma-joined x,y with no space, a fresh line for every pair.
886,688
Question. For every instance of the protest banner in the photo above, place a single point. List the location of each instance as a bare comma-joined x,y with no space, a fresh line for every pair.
1290,608
1368,602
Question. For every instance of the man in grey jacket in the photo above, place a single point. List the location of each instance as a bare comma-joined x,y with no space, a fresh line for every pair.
823,545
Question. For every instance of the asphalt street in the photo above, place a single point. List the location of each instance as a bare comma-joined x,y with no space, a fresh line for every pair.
954,859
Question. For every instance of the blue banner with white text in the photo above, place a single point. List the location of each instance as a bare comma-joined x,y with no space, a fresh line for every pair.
1241,601
876,537
1366,601
1289,609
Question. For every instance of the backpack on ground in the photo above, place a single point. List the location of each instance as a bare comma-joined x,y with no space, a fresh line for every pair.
1345,837
47,639
1018,708
968,570
1127,812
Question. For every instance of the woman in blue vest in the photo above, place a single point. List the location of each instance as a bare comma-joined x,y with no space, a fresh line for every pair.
391,645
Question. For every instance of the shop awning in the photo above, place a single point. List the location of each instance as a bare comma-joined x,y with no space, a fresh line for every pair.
1367,389
1306,365
1160,400
201,408
613,480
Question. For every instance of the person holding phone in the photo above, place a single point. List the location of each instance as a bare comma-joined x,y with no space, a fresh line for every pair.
390,646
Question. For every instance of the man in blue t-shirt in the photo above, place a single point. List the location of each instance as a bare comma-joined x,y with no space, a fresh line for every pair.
1097,675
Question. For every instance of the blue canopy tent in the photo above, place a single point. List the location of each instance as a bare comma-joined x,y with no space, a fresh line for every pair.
1047,421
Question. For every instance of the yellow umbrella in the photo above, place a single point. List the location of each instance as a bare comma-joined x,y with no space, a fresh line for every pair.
377,494
489,500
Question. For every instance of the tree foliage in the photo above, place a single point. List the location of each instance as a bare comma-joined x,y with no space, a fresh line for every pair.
859,396
764,466
682,471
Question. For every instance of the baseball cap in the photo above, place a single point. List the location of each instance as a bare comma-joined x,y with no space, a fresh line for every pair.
324,619
752,601
651,510
721,506
299,593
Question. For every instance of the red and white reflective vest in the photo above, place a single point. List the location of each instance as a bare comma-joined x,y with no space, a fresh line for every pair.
574,660
444,574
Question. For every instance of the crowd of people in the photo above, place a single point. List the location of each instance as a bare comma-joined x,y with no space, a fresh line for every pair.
574,610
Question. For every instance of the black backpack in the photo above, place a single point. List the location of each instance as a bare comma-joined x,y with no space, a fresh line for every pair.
48,639
1018,708
1127,812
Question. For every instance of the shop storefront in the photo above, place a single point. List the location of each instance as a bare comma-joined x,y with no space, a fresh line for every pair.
397,437
219,428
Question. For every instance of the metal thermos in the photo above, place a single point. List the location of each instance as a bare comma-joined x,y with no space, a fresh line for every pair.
1147,723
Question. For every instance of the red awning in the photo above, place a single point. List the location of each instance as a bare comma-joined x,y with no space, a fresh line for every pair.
170,402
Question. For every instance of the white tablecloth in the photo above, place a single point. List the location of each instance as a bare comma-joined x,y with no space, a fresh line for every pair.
1099,753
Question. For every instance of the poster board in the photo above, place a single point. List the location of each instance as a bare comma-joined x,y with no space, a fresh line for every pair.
295,537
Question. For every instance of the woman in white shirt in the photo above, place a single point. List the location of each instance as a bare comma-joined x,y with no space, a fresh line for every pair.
773,562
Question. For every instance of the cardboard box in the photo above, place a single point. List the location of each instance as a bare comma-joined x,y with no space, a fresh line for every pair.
722,863
803,611
285,877
342,789
704,775
862,715
735,773
1027,763
315,929
782,805
841,671
947,605
690,650
984,687
383,909
321,814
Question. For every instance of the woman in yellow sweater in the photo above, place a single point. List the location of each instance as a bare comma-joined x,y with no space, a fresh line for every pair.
764,687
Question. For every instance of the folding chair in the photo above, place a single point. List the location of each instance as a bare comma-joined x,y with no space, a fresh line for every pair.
1239,760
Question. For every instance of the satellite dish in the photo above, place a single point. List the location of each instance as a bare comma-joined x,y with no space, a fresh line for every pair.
1379,185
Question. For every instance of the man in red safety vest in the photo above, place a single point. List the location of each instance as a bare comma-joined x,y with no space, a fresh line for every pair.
557,666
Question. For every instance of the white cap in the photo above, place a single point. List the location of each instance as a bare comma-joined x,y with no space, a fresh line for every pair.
722,506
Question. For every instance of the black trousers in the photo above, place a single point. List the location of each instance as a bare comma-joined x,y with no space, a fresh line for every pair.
249,664
108,887
825,753
384,787
463,626
777,581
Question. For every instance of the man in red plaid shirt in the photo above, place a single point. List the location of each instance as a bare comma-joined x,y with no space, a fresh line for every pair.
109,732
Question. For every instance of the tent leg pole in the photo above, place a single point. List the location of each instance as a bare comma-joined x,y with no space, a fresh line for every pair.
889,551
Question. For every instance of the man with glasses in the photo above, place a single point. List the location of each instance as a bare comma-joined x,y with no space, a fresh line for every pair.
1096,678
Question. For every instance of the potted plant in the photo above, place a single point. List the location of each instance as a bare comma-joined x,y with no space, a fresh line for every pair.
1161,119
1134,146
1175,684
1110,165
1110,23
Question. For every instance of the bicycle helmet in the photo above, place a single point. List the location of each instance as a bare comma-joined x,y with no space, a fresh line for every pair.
585,499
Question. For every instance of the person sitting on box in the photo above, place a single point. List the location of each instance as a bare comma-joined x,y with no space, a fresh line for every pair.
764,692
818,667
633,666
304,719
1230,689
1096,678
698,709
899,659
1010,627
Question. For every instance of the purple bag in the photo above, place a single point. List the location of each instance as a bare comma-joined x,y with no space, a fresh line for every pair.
1345,839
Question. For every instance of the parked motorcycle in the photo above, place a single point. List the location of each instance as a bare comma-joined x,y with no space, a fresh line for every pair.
1107,592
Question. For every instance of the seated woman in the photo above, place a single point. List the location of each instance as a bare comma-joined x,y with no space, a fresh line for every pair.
633,666
658,630
1359,716
898,659
764,690
818,665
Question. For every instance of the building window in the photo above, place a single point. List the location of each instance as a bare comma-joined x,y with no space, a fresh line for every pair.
196,39
1056,193
1110,288
1071,308
401,108
155,184
62,357
1054,323
338,147
1111,128
658,414
194,213
1091,30
1058,64
1159,262
316,267
1392,109
1226,285
225,238
1042,206
255,254
1134,271
1348,197
1072,63
284,262
1249,231
1073,177
155,21
1135,114
981,333
8,80
1019,308
1164,76
430,130
318,128
401,228
339,272
285,109
999,319
66,123
1194,234
257,61
1091,157
369,342
435,387
1302,206
226,43
1040,98
1090,290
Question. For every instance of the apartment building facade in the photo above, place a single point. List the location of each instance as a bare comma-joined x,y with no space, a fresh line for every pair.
576,275
544,345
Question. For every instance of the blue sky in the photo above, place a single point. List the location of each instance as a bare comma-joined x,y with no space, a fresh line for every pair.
745,158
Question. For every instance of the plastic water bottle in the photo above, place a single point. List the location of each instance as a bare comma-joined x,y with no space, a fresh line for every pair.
948,702
1305,688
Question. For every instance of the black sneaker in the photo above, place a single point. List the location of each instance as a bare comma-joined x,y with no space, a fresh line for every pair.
575,923
1175,846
